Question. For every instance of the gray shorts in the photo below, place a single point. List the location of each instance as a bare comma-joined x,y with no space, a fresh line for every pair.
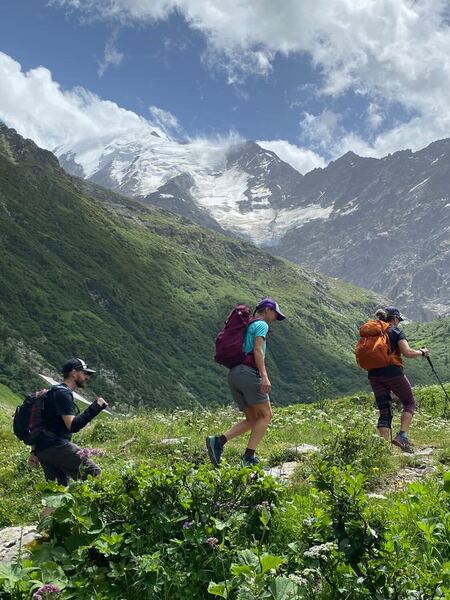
245,386
63,461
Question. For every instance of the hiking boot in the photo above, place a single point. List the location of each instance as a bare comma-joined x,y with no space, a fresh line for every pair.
250,461
214,448
403,443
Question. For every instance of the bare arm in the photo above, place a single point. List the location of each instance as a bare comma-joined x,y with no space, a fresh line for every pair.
258,352
407,351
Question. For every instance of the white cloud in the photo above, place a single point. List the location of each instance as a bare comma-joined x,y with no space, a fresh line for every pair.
322,129
396,50
302,159
375,115
165,119
77,120
34,104
112,56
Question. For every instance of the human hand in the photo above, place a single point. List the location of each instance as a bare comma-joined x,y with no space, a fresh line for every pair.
33,461
425,352
266,386
101,402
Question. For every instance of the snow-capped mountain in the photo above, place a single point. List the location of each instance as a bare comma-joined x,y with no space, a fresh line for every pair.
247,190
380,223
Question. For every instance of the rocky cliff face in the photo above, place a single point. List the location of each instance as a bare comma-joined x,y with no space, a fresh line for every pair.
379,223
388,230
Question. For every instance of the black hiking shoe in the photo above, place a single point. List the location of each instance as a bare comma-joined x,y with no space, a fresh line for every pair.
214,448
403,443
250,461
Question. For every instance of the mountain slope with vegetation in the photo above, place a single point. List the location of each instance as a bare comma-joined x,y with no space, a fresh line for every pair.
140,294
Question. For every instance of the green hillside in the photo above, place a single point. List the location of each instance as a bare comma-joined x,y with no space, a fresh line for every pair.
141,293
435,336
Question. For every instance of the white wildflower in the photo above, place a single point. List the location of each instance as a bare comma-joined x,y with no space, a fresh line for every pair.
320,551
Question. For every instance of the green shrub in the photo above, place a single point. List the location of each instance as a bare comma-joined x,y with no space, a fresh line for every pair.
366,452
145,532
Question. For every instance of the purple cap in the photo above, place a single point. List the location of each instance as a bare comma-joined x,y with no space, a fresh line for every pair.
270,303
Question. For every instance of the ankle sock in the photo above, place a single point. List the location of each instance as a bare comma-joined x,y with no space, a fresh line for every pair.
249,453
403,435
223,440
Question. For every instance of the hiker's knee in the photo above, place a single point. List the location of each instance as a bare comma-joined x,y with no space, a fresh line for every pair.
264,413
258,413
410,405
385,408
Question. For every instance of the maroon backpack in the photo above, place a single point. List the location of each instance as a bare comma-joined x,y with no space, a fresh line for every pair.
230,339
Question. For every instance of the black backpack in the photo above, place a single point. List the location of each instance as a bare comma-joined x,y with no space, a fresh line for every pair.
28,420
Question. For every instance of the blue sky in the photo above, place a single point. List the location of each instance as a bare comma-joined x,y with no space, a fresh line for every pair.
318,79
162,66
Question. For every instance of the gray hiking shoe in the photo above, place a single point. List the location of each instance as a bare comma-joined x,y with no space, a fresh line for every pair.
214,448
403,443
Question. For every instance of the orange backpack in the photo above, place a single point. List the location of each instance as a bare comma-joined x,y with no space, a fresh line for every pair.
373,349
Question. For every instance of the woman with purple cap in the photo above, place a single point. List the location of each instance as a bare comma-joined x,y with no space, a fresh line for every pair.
250,386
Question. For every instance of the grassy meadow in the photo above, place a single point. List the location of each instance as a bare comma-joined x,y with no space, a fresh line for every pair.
161,522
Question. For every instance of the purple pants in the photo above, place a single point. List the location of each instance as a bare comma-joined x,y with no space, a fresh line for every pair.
382,387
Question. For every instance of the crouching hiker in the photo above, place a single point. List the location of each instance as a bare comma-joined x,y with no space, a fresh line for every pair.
53,449
241,346
379,350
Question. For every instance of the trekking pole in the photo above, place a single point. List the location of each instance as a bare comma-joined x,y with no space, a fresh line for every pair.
442,386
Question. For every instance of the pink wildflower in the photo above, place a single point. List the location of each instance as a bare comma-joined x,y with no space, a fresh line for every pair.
86,453
46,592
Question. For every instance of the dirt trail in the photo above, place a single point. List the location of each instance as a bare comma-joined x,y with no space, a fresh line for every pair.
422,465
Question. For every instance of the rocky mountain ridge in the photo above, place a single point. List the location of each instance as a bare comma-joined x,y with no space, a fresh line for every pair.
379,223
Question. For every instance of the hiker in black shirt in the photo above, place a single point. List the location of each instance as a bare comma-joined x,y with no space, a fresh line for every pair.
54,451
391,378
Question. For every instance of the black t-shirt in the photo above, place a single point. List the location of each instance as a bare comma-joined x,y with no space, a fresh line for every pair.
395,335
59,401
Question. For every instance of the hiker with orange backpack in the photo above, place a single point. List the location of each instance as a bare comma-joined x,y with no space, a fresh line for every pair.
241,346
379,350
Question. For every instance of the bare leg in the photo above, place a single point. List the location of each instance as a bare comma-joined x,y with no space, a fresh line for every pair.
239,428
385,432
262,415
405,421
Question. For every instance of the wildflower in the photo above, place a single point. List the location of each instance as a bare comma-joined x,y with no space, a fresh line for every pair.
263,506
309,572
46,591
320,551
297,578
213,542
187,524
86,453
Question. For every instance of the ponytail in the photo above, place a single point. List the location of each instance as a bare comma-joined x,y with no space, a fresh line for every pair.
381,315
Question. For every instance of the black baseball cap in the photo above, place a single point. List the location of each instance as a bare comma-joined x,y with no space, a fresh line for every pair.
393,312
78,364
